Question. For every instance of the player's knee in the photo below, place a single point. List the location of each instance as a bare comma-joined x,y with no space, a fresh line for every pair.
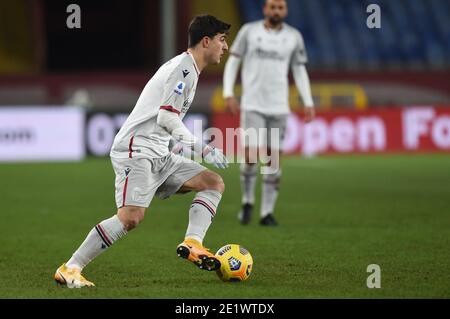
273,179
130,216
220,185
215,182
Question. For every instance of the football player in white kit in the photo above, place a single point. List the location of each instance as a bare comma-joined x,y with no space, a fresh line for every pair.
267,49
145,167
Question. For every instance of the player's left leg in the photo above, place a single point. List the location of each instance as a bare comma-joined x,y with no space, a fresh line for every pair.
209,187
191,176
269,194
271,175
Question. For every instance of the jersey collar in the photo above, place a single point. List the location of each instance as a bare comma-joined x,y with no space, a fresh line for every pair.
273,30
195,64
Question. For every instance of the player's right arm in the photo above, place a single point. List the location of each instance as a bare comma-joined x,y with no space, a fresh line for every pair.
229,79
237,51
176,92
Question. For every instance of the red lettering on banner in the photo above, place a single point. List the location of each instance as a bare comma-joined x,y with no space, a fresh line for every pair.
371,131
423,127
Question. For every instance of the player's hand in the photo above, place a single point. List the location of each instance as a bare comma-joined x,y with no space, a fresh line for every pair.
232,105
215,156
310,113
178,149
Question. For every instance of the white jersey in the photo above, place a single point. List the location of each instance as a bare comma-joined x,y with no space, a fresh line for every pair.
267,55
171,88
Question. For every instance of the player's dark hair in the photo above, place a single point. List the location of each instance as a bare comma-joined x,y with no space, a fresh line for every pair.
205,26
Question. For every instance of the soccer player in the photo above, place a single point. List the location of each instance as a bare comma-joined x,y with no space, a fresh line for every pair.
145,167
267,49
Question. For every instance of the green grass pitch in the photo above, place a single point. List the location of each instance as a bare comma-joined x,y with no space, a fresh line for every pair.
337,215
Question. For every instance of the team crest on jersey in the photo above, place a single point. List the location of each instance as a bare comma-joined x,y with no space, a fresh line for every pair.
179,88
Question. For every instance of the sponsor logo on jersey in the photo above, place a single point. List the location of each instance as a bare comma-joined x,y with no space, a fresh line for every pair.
127,171
179,88
186,105
269,54
185,73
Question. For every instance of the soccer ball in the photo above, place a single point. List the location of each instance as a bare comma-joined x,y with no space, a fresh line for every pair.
236,263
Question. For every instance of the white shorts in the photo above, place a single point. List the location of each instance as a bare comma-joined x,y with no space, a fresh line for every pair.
263,124
139,179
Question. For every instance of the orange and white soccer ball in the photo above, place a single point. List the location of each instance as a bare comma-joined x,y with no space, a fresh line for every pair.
236,263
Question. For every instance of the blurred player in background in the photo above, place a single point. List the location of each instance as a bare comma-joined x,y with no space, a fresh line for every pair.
267,49
145,167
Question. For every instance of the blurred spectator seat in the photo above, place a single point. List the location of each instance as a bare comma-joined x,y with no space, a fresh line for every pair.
414,34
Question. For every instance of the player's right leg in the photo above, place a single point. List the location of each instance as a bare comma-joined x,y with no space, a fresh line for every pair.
248,175
249,169
130,176
99,239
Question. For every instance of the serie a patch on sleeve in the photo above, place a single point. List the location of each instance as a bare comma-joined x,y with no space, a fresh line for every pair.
179,88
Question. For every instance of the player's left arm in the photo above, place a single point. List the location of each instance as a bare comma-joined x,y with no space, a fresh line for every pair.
301,78
302,82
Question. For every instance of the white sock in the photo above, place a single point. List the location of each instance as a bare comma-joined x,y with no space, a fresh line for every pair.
102,236
248,182
270,188
201,214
